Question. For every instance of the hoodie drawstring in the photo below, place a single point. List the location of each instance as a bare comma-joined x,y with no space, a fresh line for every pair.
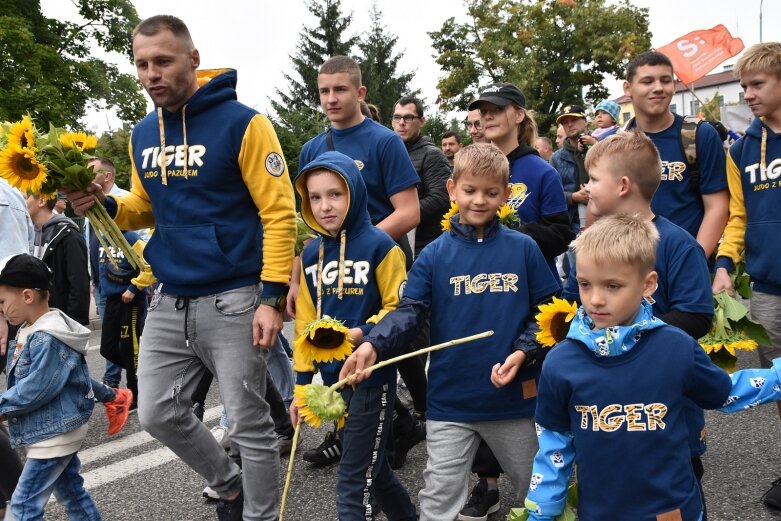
163,171
763,152
342,248
184,144
320,255
340,279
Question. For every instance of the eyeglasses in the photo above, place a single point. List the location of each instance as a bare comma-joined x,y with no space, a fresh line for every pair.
408,118
470,124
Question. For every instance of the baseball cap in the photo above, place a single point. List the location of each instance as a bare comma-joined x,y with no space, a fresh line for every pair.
501,95
25,271
576,111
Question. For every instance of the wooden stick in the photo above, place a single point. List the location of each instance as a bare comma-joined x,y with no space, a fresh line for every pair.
289,477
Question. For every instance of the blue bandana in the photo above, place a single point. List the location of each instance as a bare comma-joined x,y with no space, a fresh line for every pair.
614,340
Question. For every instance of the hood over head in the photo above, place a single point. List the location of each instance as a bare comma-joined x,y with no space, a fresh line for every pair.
357,211
63,328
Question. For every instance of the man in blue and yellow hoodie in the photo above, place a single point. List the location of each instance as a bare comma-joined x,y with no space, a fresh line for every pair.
208,174
753,171
352,272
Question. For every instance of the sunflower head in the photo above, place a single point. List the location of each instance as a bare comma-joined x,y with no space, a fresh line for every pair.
21,169
324,340
722,350
22,134
446,218
317,403
554,319
507,215
79,140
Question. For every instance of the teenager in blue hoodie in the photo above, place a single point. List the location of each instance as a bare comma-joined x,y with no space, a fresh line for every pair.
352,272
479,276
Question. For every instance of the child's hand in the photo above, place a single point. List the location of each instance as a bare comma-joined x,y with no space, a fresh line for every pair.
503,374
355,336
127,296
293,413
361,358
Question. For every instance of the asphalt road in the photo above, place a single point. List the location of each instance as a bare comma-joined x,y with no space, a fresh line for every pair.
132,477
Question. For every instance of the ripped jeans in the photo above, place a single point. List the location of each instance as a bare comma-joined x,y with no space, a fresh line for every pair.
183,337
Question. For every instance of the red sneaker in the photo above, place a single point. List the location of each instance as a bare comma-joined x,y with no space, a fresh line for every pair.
118,409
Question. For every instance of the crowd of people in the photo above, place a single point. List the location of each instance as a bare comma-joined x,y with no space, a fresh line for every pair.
630,222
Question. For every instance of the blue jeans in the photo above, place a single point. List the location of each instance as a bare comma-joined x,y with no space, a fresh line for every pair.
61,475
364,469
281,370
183,337
113,373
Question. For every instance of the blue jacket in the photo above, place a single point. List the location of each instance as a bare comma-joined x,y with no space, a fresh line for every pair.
49,390
563,160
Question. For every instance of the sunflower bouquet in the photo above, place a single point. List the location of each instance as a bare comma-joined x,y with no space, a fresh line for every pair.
554,319
41,163
506,213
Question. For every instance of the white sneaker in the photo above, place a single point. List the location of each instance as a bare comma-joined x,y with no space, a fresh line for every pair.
209,493
220,434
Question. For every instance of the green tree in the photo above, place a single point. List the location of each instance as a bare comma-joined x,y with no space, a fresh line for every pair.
711,109
437,125
298,116
379,67
114,146
550,50
46,69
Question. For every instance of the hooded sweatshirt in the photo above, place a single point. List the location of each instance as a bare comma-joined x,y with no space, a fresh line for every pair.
754,207
212,180
360,270
49,392
61,246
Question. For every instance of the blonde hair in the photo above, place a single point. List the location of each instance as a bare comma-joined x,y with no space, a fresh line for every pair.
619,239
631,154
762,57
481,159
337,64
527,129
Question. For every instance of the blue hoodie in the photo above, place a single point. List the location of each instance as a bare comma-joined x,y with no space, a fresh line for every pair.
361,260
754,207
219,196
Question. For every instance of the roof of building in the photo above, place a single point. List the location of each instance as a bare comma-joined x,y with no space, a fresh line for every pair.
711,80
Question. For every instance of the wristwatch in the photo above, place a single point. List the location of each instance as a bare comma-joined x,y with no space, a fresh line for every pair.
277,303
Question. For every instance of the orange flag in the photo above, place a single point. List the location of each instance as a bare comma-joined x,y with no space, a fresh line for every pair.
699,52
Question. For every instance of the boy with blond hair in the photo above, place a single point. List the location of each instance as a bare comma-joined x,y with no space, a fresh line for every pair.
614,395
753,168
477,276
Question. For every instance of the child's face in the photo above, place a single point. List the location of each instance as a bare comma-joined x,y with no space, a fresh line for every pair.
328,199
611,295
603,119
762,93
604,189
14,304
478,199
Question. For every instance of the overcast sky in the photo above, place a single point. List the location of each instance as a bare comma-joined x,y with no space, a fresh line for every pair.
256,37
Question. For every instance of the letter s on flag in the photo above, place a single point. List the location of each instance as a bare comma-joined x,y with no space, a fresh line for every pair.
696,54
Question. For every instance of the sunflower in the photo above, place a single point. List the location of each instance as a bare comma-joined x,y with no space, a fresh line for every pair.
317,403
446,218
507,215
324,340
554,319
79,140
21,169
22,134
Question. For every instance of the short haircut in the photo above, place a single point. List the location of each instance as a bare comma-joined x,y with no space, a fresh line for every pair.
51,202
645,167
337,64
164,22
481,159
619,239
652,58
452,134
411,100
106,162
546,140
762,57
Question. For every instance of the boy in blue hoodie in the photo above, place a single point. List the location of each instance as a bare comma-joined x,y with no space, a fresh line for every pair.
614,395
753,169
479,276
352,272
49,398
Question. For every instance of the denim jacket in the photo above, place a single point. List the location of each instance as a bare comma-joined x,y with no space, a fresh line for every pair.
49,390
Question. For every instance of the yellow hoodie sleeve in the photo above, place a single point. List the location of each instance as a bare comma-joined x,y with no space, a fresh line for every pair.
264,171
145,278
134,210
305,314
735,232
390,274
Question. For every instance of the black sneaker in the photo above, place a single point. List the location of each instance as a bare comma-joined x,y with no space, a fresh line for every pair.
481,503
198,411
772,498
330,451
232,510
404,442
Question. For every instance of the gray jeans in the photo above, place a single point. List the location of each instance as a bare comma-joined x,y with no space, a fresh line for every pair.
182,338
766,309
451,448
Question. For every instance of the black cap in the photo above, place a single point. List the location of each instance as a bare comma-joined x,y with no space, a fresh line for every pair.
575,111
25,271
501,95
